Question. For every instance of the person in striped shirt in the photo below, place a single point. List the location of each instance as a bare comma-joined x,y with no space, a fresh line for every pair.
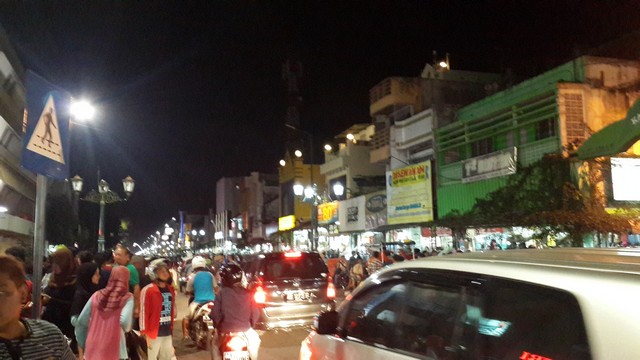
20,338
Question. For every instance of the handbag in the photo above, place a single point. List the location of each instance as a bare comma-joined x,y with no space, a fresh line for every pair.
136,345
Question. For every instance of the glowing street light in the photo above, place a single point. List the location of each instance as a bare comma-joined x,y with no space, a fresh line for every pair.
82,110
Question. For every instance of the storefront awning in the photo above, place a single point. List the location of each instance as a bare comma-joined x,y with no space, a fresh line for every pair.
614,138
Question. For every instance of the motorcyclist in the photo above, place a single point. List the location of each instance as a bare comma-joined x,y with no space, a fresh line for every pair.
202,285
234,309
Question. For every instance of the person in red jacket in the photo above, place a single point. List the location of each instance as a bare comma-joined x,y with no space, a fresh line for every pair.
157,311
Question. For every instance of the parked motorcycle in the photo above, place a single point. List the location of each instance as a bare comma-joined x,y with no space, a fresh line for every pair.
201,328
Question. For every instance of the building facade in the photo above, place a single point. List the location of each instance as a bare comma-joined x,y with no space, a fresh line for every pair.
542,115
17,186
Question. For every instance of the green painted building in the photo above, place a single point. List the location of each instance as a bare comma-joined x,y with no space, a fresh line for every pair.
542,115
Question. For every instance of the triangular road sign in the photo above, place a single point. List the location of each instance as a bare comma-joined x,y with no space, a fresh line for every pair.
45,139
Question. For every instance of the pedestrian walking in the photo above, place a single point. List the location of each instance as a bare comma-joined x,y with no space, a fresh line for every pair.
25,339
106,318
157,311
374,264
86,285
356,274
58,294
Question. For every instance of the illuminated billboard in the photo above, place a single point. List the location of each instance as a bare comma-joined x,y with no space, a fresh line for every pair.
625,173
409,194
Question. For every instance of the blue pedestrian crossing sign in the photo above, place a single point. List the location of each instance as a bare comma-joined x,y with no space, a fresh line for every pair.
46,138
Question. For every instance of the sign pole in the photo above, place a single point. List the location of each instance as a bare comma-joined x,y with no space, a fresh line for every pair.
38,243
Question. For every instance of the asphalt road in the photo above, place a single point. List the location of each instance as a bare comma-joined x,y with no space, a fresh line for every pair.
276,344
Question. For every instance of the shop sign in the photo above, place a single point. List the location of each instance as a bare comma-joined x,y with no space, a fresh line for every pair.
440,231
352,214
286,222
409,197
375,210
485,231
499,163
328,213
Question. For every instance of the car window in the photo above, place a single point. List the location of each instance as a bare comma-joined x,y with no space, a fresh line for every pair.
372,317
526,321
433,316
303,267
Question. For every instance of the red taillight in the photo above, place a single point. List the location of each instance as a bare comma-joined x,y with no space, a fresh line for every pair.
331,291
260,296
236,343
295,254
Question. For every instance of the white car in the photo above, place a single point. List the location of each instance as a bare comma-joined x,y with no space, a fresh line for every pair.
515,304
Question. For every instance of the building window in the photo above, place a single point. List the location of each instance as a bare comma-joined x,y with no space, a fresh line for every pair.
451,156
511,139
523,136
546,128
482,147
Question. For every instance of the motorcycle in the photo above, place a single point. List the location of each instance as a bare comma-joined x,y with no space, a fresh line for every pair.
234,346
201,327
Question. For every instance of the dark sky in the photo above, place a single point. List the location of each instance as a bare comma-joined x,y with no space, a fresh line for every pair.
189,92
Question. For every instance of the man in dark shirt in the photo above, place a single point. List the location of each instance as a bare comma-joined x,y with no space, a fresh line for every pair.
234,309
157,311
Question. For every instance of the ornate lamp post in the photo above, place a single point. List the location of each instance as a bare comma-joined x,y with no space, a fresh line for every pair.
310,195
103,196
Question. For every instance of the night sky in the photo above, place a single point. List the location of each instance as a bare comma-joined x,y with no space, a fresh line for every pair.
188,94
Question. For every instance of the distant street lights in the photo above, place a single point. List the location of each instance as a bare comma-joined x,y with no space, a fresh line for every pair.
103,196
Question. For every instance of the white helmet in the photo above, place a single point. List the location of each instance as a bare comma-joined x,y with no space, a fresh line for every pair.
155,265
198,262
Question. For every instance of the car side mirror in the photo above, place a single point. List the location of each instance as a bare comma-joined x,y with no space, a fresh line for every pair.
326,322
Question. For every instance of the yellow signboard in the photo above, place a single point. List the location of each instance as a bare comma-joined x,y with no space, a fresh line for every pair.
409,198
286,222
328,213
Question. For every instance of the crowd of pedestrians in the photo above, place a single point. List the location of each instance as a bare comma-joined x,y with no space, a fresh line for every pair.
91,306
348,273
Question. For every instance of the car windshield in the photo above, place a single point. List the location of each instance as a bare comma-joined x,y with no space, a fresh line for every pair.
303,267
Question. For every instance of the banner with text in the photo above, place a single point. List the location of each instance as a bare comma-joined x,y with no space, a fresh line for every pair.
351,213
409,195
375,210
499,163
328,213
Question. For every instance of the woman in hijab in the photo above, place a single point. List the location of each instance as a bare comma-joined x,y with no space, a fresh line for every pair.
105,318
58,295
87,284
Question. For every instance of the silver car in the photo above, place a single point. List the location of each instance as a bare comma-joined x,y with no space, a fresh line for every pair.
290,287
516,304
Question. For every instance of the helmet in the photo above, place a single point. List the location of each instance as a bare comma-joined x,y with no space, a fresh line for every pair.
155,265
230,274
198,262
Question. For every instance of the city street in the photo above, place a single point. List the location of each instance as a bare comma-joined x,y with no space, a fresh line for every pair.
280,344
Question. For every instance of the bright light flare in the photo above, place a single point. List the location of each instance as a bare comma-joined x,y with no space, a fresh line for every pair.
82,110
298,153
328,147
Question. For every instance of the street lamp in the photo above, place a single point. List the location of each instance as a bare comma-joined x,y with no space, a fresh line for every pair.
103,196
310,195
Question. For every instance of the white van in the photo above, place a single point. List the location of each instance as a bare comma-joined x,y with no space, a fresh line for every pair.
515,304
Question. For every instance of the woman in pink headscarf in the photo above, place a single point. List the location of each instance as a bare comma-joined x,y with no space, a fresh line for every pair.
105,319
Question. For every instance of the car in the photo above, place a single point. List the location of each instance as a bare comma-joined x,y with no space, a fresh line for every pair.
515,304
290,288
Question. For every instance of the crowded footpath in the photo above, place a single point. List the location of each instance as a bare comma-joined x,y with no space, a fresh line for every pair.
113,305
89,303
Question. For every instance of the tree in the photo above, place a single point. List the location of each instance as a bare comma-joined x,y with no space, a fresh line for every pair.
547,195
